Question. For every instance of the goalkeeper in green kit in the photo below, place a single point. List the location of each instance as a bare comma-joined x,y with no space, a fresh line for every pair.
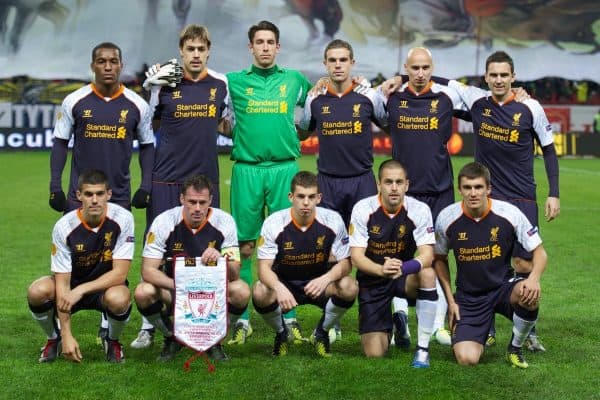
265,148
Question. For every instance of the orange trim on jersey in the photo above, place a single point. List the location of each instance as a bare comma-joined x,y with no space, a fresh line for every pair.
487,211
385,210
114,96
345,92
508,100
198,229
297,224
425,89
202,75
85,224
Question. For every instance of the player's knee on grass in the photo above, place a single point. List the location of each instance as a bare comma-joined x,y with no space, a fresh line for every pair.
375,344
467,353
41,290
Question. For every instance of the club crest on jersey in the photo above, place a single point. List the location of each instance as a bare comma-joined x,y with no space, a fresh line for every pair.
320,242
487,112
282,90
107,238
403,104
201,303
462,236
494,234
325,110
433,109
123,116
516,119
87,114
356,110
176,94
213,94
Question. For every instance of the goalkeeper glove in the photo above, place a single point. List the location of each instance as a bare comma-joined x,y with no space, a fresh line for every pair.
167,74
58,201
140,199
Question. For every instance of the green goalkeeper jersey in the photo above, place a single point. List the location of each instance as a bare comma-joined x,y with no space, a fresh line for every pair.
264,101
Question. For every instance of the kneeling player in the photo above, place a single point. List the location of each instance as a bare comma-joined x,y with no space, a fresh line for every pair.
193,229
387,231
482,232
92,248
298,245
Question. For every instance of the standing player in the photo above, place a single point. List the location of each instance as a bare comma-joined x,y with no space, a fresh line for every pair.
420,125
481,232
104,118
189,115
342,120
92,248
505,132
193,229
391,244
265,145
303,258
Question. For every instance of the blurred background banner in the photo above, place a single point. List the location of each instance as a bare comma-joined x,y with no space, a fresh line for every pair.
45,50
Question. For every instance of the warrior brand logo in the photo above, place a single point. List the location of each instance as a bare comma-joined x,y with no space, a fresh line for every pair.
487,112
79,247
356,111
201,303
401,231
403,104
375,229
178,246
494,234
320,242
516,119
87,114
249,91
176,94
462,236
123,117
107,238
213,94
288,246
434,106
282,90
325,110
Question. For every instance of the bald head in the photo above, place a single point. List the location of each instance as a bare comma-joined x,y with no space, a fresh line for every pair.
419,67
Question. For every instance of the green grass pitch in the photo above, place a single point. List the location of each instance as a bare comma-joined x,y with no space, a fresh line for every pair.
568,324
